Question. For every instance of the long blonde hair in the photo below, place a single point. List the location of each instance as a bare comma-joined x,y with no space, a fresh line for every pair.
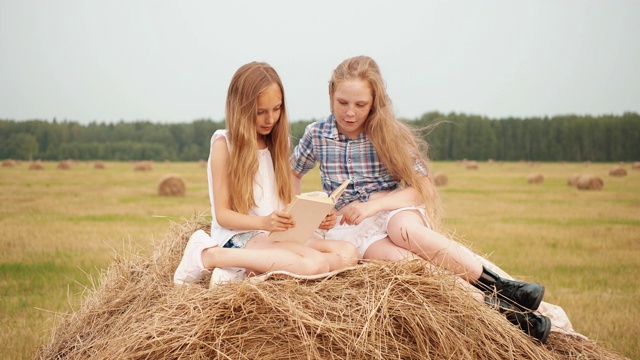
392,138
249,81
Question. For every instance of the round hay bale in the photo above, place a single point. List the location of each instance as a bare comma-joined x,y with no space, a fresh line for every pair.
99,165
618,171
64,165
636,165
472,165
377,310
573,179
589,182
172,185
8,163
535,178
440,179
143,166
202,163
36,165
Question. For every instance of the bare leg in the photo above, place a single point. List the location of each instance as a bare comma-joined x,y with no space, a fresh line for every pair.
406,229
339,254
261,256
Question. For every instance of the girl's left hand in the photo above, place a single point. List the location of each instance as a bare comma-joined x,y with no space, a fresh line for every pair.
329,221
356,212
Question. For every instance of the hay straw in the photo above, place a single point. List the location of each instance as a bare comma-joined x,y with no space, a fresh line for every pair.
440,179
143,166
535,178
36,165
99,165
589,182
378,310
618,171
172,185
64,165
8,163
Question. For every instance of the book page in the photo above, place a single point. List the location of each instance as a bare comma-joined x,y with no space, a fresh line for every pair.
308,213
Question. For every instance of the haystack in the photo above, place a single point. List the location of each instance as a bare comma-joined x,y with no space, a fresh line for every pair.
589,182
472,165
618,171
99,165
377,310
8,163
572,180
440,179
36,165
172,185
64,165
535,178
635,165
143,166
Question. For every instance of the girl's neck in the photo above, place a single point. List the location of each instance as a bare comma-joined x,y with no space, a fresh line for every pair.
262,143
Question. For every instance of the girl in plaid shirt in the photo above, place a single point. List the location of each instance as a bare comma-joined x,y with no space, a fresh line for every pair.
249,183
390,209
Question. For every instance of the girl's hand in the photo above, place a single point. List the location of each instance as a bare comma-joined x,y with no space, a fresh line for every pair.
277,221
356,212
329,221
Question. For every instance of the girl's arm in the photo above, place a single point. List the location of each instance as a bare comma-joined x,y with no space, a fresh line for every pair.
228,218
356,212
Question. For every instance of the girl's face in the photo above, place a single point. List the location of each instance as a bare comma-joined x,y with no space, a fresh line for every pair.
269,108
352,101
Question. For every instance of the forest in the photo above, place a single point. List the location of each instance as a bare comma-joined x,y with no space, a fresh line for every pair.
605,138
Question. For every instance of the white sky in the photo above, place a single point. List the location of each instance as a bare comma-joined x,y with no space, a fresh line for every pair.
172,60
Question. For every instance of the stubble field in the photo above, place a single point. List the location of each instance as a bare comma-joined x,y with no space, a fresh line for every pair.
61,228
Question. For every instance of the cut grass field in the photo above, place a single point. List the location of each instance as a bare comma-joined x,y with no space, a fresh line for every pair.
61,228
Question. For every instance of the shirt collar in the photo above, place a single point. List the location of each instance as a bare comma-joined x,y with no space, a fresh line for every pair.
331,131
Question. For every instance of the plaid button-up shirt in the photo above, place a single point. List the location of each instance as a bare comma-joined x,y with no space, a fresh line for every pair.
342,158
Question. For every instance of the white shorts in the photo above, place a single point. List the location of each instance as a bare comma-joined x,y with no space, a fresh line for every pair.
370,230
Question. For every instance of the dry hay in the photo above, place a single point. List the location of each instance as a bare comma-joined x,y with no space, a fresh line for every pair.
202,163
440,179
535,178
8,163
572,180
64,165
143,166
172,185
589,182
635,165
99,165
472,165
36,165
618,171
378,310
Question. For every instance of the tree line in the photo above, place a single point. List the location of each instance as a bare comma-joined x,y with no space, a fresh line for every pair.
606,138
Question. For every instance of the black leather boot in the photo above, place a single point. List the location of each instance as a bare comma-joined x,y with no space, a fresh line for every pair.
534,325
526,295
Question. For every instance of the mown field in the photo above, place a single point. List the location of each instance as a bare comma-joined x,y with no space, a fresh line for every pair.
61,228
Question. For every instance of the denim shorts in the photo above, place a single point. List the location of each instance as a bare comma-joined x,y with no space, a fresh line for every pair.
240,240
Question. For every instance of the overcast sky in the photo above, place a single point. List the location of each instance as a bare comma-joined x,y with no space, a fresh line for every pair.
172,60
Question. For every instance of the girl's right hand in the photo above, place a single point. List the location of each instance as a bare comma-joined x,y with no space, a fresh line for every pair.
277,221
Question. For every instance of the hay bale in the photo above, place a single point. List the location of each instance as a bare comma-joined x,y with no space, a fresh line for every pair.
8,163
378,310
202,163
572,180
99,165
635,165
618,171
440,179
36,165
64,165
172,185
535,178
143,166
589,182
472,165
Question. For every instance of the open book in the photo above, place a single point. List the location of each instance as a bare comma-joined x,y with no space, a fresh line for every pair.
308,213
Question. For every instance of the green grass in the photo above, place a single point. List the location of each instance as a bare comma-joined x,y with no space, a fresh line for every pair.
61,228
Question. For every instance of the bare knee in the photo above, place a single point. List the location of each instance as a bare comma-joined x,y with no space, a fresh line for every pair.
314,264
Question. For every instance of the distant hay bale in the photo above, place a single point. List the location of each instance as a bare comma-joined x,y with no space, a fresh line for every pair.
202,163
8,163
589,182
618,171
440,179
472,165
64,165
36,165
99,165
378,310
535,178
172,185
143,166
573,179
635,165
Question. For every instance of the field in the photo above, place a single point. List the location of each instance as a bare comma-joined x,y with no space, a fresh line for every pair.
61,228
